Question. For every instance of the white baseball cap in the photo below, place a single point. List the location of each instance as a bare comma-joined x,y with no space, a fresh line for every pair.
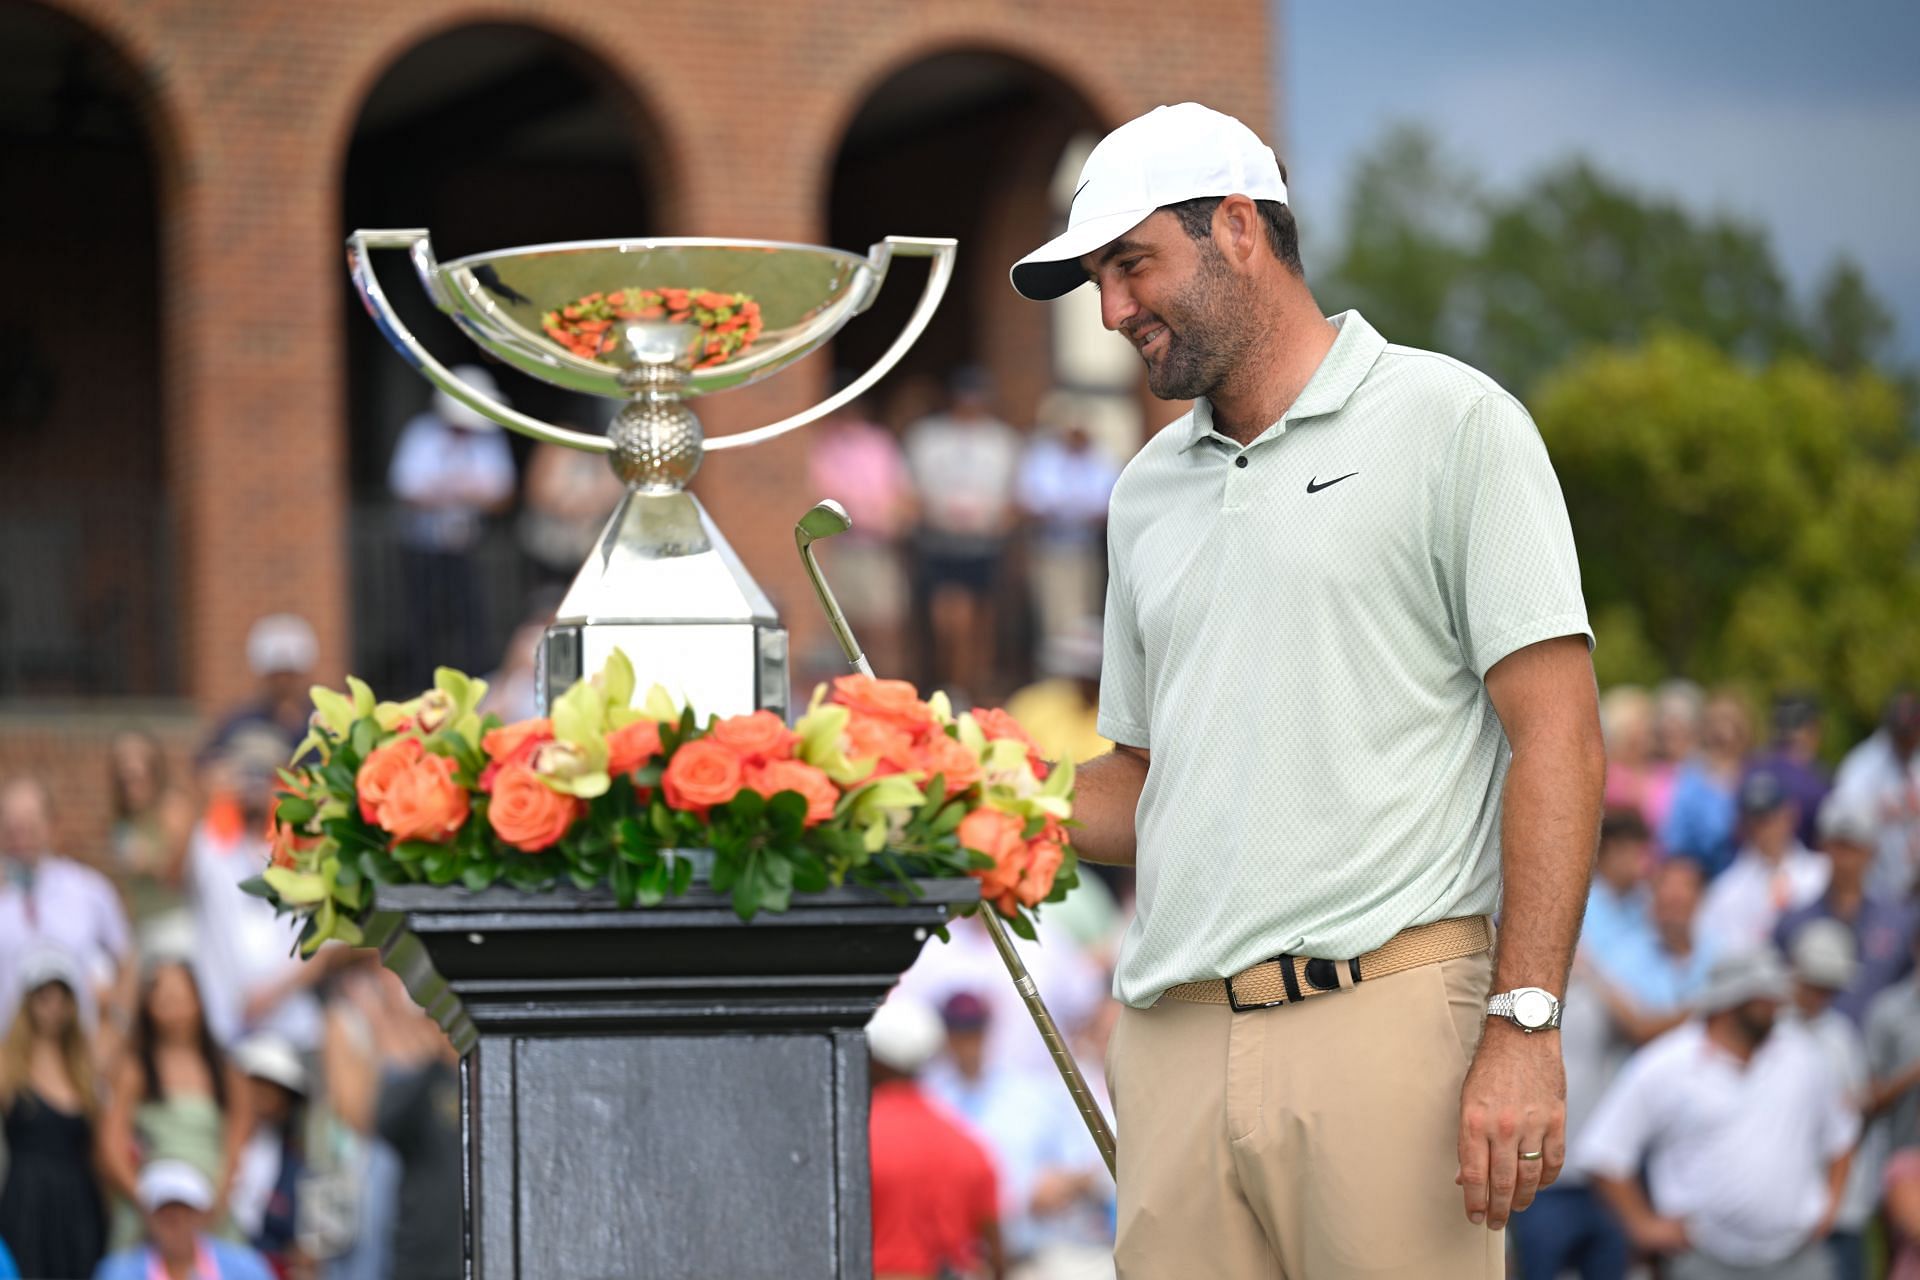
166,1182
269,1057
1171,154
282,642
905,1034
457,413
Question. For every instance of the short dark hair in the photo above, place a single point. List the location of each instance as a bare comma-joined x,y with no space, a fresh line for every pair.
1623,824
1196,216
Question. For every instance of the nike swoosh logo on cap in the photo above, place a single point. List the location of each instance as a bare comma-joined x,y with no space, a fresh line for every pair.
1076,196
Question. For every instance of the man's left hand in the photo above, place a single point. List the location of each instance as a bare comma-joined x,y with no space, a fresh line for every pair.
1514,1102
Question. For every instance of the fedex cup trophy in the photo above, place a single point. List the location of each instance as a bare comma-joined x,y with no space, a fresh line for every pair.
669,1092
599,317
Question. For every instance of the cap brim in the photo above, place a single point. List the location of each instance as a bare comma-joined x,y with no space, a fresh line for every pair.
1054,268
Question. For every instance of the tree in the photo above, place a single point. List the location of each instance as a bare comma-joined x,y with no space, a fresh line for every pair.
1850,326
1745,524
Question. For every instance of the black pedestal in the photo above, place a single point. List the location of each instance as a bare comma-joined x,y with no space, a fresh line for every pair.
666,1092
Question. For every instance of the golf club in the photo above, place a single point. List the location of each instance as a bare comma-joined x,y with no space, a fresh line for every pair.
825,520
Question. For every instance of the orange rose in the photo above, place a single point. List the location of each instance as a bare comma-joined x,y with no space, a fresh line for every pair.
510,740
868,738
894,701
999,726
1043,864
632,746
527,813
378,771
701,774
424,803
815,787
951,760
756,738
997,835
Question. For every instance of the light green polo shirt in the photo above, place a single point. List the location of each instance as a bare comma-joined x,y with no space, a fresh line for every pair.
1299,631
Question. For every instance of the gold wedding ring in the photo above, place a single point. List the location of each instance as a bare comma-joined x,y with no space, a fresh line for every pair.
1531,1155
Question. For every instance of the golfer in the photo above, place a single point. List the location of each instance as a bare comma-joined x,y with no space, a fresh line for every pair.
1347,664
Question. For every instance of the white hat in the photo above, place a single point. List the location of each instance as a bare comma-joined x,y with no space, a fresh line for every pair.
454,413
1846,819
270,1058
1161,158
167,1182
46,963
905,1034
1740,976
282,642
1824,955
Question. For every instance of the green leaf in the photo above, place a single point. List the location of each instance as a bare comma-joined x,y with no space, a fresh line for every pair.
294,810
476,877
258,887
651,883
748,807
662,819
1020,924
787,813
625,887
363,736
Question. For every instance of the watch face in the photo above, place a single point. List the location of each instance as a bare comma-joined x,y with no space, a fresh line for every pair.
1532,1008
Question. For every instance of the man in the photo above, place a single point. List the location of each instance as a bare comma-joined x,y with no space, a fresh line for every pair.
281,652
1883,773
1794,758
1616,928
53,901
1771,875
265,1201
1824,966
1881,931
1347,667
1893,1055
935,1195
1648,992
177,1198
1743,1127
963,464
1056,1194
1064,483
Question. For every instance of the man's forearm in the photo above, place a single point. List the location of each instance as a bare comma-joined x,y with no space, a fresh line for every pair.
1549,829
1106,796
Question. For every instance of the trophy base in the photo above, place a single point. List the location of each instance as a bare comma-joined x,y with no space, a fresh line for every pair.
719,668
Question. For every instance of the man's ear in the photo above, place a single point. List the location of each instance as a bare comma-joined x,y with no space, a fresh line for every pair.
1237,229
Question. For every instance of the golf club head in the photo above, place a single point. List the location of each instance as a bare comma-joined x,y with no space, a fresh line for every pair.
825,519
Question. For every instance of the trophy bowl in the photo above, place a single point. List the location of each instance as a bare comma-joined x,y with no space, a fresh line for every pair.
790,297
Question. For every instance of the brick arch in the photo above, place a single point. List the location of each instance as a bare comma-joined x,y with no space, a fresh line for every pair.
598,53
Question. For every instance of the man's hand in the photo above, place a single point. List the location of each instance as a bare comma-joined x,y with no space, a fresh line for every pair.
1514,1101
1659,1236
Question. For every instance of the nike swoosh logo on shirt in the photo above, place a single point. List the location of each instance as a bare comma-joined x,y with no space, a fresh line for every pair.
1315,488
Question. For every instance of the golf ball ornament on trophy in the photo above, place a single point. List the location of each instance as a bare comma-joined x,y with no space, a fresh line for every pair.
653,323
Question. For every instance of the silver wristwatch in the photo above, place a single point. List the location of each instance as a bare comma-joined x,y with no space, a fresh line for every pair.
1529,1008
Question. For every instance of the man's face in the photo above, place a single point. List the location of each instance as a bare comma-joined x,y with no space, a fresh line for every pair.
1676,895
1755,1019
1772,831
1622,862
968,1049
172,1228
25,831
1179,302
1850,862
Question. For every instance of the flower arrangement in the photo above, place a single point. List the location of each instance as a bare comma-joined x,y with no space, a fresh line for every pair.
872,786
730,322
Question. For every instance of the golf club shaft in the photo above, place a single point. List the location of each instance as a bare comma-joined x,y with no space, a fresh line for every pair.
1023,981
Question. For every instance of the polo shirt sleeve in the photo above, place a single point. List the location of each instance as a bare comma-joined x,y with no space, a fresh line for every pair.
1622,1127
1124,712
1502,541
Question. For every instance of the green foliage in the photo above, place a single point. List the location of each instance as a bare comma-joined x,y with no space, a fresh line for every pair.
1760,525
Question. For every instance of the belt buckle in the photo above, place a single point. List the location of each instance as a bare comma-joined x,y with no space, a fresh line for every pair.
1286,983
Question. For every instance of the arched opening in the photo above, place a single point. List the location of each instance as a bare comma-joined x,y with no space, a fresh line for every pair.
489,136
970,143
87,571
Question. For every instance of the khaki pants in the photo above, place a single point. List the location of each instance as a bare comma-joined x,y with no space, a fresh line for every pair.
1315,1141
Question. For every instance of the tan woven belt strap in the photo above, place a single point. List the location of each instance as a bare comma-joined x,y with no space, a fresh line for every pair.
1267,983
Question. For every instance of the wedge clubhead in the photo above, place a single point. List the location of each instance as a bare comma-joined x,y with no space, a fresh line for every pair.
825,519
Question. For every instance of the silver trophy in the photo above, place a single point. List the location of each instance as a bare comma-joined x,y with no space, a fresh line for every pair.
653,323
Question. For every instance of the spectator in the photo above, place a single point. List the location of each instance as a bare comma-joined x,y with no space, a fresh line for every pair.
1702,816
282,652
1893,1055
349,1204
416,1113
173,1097
151,821
570,495
1773,874
1648,995
1616,930
51,1213
1063,486
1794,758
1824,966
45,898
1883,773
179,1202
1636,780
1743,1129
858,463
1056,1198
272,1167
1061,713
963,464
1882,931
1678,707
451,468
935,1198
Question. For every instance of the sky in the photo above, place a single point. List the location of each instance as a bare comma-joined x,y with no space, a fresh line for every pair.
1801,117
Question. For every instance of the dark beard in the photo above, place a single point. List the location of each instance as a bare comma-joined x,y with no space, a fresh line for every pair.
1208,334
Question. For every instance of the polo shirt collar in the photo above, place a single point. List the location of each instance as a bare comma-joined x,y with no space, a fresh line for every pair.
1355,348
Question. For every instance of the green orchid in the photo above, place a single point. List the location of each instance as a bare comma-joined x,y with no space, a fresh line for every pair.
823,745
875,807
578,767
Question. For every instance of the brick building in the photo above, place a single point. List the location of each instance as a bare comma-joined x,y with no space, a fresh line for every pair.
194,420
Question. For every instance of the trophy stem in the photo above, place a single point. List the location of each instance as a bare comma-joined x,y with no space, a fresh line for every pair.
657,440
